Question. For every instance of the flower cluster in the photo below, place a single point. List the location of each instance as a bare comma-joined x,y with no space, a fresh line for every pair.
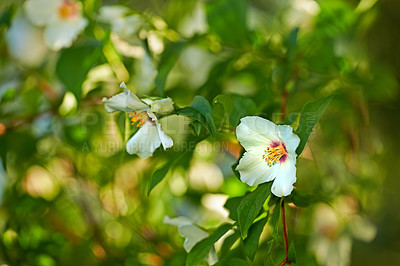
143,113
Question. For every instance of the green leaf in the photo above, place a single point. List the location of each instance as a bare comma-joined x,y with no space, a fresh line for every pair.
233,262
251,205
274,222
232,205
196,126
251,242
203,106
292,253
202,248
194,114
168,59
159,175
231,108
310,115
291,44
228,243
228,20
74,64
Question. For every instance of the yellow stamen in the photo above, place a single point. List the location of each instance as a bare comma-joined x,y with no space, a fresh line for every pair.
272,155
140,117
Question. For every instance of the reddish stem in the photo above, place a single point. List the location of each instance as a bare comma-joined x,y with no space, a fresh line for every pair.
285,235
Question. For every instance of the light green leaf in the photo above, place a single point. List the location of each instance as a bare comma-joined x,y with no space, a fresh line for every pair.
310,115
251,205
202,248
251,242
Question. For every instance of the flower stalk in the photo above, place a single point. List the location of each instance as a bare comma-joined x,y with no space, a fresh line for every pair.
285,235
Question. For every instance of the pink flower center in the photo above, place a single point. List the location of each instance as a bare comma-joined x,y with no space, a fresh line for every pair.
276,152
138,117
68,9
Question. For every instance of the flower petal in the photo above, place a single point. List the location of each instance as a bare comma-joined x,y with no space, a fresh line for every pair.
166,140
254,170
62,33
192,235
163,106
286,177
290,139
256,133
25,42
145,141
42,12
132,101
116,103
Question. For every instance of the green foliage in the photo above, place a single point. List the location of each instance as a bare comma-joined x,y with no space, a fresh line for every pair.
310,114
74,65
251,242
201,249
71,194
251,205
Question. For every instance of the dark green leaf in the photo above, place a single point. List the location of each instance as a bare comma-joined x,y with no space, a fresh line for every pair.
201,249
159,175
168,59
196,115
292,253
310,114
274,222
196,126
228,243
74,65
291,45
233,262
232,205
228,20
251,205
203,106
251,242
229,109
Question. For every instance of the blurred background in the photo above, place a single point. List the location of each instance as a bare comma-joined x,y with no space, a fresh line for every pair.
71,195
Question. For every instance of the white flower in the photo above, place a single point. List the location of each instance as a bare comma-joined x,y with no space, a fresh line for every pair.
150,135
25,42
192,234
62,20
270,154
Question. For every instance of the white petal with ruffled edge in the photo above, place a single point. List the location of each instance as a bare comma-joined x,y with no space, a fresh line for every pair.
254,170
62,33
145,141
255,134
286,177
42,12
